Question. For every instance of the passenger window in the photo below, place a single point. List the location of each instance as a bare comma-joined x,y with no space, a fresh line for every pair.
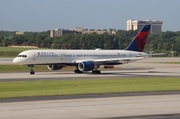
22,55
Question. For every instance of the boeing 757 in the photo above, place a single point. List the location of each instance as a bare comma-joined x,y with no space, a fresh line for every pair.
85,60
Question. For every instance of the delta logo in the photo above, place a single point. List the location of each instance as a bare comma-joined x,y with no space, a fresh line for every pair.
45,53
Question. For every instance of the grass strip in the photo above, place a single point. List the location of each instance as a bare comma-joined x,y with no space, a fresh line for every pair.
19,49
93,86
13,51
23,68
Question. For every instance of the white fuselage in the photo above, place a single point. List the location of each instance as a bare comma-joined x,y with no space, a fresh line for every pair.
70,56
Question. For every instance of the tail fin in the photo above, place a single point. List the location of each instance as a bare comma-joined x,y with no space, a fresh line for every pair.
139,41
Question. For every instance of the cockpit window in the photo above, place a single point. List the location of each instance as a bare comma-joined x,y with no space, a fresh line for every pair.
22,56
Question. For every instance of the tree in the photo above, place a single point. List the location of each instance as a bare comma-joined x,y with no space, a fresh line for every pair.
19,39
7,41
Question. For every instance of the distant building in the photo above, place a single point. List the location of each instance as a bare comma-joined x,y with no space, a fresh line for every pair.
98,32
61,32
156,26
78,31
19,33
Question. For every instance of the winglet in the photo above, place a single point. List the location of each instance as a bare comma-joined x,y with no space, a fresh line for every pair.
139,41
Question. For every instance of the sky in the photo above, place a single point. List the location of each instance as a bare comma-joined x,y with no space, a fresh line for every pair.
43,15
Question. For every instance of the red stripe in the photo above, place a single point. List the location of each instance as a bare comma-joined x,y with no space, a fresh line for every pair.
140,41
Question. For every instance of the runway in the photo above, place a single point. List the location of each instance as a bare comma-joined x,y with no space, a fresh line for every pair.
71,75
94,108
6,60
111,107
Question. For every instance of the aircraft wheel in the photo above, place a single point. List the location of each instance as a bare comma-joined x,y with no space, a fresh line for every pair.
99,71
32,72
77,71
96,72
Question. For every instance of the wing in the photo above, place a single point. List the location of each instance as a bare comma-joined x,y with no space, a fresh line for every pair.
154,54
110,61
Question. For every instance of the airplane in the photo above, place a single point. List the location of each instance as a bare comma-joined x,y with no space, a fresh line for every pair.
86,60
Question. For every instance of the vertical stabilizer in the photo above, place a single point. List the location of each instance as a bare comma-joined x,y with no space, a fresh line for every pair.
139,41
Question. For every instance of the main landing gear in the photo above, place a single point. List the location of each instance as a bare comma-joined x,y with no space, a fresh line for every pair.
31,69
93,71
96,71
78,71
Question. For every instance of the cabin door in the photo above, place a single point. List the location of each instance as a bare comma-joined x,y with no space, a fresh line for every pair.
62,57
34,57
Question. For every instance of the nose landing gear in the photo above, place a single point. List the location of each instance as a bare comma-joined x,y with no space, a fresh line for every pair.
31,69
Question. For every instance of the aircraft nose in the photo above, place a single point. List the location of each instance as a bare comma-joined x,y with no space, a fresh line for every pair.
15,60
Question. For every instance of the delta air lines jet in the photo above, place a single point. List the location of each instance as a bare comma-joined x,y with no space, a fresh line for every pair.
85,60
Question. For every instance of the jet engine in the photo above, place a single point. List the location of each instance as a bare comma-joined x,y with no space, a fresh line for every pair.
86,66
54,67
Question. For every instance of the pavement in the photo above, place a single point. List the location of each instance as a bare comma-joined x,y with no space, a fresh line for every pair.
94,108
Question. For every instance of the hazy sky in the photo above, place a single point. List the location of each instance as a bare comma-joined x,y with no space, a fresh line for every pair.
43,15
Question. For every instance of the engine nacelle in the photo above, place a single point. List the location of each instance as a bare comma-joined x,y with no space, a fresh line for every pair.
86,66
54,67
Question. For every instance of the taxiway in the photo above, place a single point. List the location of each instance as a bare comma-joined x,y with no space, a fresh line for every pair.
149,67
